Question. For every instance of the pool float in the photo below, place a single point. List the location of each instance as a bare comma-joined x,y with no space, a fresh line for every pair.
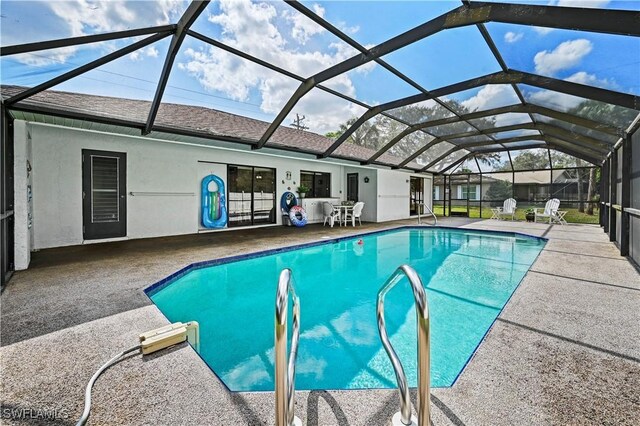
298,216
287,201
214,205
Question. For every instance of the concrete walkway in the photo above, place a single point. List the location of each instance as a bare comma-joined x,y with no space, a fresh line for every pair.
565,350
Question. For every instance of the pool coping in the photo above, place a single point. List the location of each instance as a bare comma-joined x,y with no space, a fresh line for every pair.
165,282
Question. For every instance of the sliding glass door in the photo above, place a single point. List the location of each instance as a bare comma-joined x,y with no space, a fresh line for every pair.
252,193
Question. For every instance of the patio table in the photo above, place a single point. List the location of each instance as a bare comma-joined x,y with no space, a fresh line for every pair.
343,212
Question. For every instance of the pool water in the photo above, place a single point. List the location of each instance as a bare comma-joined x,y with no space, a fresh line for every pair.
468,275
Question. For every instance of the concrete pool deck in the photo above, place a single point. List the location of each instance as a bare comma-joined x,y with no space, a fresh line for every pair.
565,349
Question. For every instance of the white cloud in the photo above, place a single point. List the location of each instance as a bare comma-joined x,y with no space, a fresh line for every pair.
543,31
149,51
86,16
324,112
50,57
491,96
566,55
565,102
345,28
512,37
555,100
83,17
582,3
303,27
582,77
217,70
239,79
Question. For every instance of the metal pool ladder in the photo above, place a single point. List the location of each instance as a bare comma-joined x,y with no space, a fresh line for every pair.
286,375
431,213
404,417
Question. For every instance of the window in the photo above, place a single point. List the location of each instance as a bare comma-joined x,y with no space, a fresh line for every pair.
436,192
473,191
320,183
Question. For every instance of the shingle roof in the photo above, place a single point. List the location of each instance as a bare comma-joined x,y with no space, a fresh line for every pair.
204,121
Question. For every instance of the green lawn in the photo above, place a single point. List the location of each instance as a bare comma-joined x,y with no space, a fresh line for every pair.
573,215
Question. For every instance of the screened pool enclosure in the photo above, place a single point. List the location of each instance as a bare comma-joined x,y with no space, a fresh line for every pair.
526,100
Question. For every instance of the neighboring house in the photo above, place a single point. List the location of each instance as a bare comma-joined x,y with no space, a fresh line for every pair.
531,186
460,189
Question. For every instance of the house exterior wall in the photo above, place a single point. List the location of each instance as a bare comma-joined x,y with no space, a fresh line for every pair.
152,166
455,191
428,191
393,195
367,191
22,202
168,167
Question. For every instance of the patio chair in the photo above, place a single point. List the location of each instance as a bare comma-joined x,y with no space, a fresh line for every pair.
330,213
550,210
508,209
355,213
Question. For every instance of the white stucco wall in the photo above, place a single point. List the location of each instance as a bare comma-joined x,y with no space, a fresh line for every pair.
22,180
428,191
393,195
152,166
367,191
155,166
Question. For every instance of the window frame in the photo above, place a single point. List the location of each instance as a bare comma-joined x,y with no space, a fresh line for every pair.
463,196
253,200
313,193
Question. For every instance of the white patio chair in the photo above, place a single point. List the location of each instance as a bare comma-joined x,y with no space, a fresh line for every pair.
507,209
330,213
550,210
355,213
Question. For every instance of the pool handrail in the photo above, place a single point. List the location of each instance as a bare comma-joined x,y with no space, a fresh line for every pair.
285,375
435,218
422,315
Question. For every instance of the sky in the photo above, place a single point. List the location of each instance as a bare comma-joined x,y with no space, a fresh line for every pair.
273,31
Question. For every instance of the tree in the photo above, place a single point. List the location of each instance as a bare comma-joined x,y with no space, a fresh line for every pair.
597,111
491,159
499,190
530,160
378,131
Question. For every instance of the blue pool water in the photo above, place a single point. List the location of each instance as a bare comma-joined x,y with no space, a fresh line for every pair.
468,275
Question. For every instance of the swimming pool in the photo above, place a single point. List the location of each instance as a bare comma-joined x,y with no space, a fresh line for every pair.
468,275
